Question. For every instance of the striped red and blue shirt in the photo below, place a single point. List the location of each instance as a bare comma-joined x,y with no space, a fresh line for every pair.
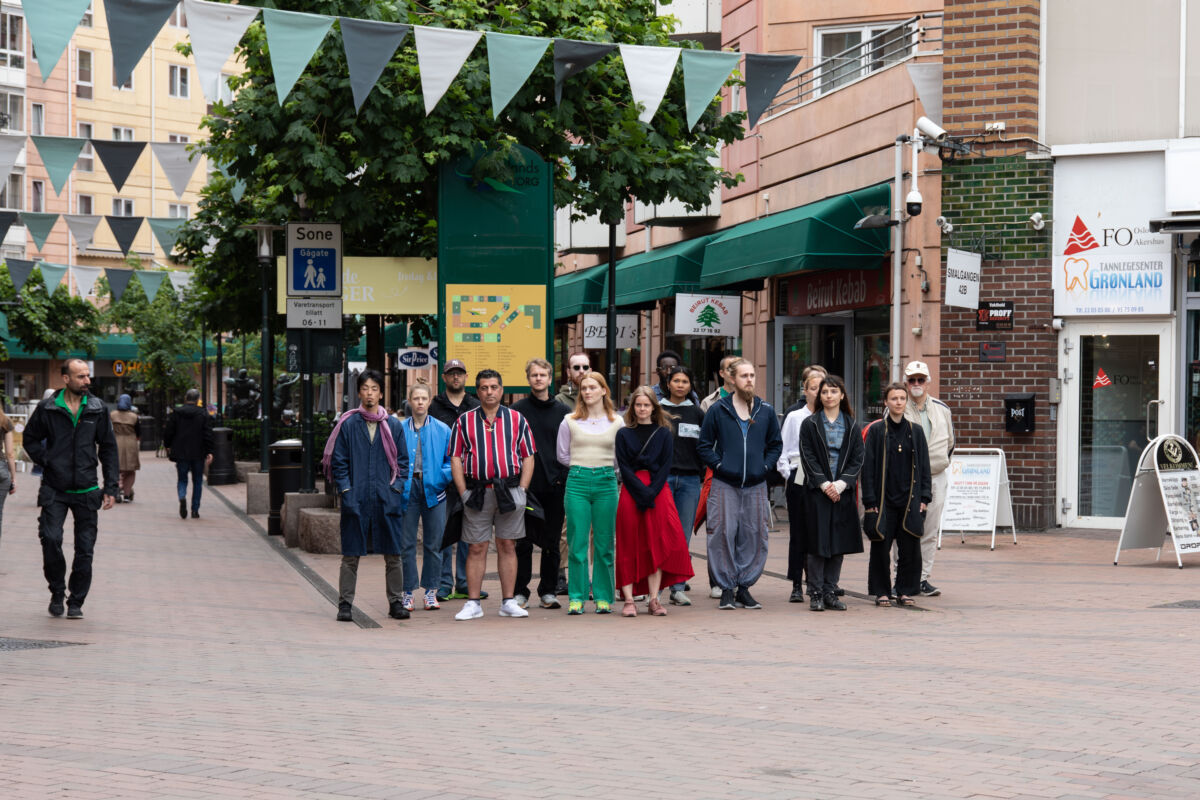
492,451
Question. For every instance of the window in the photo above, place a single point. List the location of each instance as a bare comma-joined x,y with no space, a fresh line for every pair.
224,90
83,75
127,86
37,195
83,204
13,192
178,79
12,106
122,207
122,134
37,119
12,41
86,162
177,210
178,138
178,19
86,22
849,53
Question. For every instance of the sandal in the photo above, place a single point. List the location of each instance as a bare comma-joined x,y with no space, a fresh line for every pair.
883,601
629,609
906,601
655,608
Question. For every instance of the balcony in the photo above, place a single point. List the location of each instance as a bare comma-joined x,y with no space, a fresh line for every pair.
699,20
588,235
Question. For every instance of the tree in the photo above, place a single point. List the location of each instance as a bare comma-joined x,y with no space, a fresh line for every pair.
55,324
166,336
708,317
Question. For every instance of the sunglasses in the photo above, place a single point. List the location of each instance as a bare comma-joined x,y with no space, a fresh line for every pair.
579,368
917,379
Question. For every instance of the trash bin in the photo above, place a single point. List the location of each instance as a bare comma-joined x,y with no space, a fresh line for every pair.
222,471
284,465
149,440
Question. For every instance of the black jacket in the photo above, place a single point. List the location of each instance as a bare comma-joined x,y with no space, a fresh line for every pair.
188,433
874,476
544,417
833,528
736,459
441,409
66,451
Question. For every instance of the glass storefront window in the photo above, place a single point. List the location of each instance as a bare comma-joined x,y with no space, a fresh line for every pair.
1191,377
805,344
874,364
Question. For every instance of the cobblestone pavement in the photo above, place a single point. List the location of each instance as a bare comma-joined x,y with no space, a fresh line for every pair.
208,666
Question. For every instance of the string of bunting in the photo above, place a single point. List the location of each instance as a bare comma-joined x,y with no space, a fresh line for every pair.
83,227
20,269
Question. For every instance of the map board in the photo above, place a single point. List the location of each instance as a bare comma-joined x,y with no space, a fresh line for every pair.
977,496
495,326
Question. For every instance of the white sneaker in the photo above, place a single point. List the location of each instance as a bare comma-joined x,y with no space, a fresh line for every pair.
521,600
470,610
715,593
510,608
680,599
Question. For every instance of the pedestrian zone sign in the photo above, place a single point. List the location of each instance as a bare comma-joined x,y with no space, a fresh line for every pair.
314,259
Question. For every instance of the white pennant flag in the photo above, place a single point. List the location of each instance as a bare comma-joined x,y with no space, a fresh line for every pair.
83,228
215,29
441,53
177,164
11,146
180,280
649,70
85,279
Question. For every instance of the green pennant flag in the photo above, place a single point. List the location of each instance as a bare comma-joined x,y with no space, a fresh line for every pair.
292,38
59,154
166,231
39,226
239,185
511,60
704,73
52,275
151,280
51,24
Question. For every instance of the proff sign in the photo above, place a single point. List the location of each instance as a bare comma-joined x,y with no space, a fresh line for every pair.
994,315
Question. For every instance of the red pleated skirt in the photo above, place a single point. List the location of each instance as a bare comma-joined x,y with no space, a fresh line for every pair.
650,540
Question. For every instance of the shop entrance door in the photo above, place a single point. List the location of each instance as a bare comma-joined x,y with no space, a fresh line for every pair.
1117,397
801,341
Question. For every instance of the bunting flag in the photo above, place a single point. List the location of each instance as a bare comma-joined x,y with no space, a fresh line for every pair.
177,163
369,47
59,154
215,29
764,75
239,185
292,39
511,60
118,158
649,70
7,218
82,228
132,26
572,57
18,271
441,53
51,24
180,280
85,279
118,281
166,231
52,275
151,281
11,145
704,73
39,226
125,229
927,80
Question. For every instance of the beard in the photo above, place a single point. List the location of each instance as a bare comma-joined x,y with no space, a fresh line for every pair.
745,395
917,391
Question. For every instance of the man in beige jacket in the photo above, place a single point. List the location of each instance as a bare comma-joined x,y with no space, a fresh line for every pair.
934,418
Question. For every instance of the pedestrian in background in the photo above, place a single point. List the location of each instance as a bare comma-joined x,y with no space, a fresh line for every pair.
789,468
8,463
684,480
936,421
447,407
188,437
428,441
128,429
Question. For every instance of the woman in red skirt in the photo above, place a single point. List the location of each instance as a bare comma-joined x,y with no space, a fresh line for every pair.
651,548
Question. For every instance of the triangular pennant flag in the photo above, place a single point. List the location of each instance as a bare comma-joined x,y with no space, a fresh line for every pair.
292,38
125,229
59,154
132,26
11,146
239,186
82,228
441,53
369,46
19,270
85,279
151,280
118,158
7,218
180,280
215,29
118,280
572,57
927,80
39,226
764,75
704,73
52,275
649,70
176,162
166,230
51,24
511,60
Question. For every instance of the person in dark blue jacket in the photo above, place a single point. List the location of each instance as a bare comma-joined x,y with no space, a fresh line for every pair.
739,442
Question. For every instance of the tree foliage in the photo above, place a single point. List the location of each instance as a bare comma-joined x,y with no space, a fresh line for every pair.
165,334
55,324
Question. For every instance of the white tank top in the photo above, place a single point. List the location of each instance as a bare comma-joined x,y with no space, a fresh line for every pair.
592,449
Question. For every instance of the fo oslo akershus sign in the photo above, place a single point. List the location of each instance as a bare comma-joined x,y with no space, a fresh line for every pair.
708,315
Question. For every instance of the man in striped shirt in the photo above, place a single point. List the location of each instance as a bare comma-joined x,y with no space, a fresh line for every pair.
491,458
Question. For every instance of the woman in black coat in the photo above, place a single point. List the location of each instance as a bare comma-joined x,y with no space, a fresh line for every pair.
896,487
831,453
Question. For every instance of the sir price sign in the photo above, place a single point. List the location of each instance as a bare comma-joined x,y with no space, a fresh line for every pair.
314,259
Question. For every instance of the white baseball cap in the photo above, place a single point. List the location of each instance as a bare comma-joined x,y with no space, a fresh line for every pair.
916,368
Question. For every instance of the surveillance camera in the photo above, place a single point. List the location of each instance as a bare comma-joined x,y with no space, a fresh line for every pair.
931,129
1037,221
913,203
944,225
1056,323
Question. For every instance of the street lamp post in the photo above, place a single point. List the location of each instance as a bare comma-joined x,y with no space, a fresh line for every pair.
264,232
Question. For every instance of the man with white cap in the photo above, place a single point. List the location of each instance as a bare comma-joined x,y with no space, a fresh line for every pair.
934,418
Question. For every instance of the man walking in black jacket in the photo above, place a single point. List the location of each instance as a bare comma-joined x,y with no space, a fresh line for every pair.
188,437
63,435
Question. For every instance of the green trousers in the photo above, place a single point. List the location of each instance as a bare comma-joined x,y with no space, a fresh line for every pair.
590,503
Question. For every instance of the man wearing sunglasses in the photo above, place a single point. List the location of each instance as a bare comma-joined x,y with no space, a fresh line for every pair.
578,365
934,417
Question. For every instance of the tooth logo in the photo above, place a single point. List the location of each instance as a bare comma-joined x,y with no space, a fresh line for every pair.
1081,239
1075,273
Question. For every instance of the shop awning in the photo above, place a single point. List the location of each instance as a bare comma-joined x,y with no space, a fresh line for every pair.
819,235
580,292
663,272
109,347
395,336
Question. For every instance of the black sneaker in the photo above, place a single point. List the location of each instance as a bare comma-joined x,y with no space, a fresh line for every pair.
797,595
744,598
56,605
344,613
561,588
396,610
816,603
840,592
929,590
183,509
195,513
831,601
727,601
74,612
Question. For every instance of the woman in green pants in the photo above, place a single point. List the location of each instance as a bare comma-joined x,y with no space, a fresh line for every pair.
587,446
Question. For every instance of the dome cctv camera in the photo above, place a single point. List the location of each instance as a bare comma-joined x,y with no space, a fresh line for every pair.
913,203
931,129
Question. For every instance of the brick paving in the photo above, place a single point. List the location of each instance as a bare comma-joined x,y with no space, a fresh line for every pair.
207,666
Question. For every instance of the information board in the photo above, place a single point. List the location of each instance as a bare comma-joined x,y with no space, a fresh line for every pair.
977,496
1164,502
491,326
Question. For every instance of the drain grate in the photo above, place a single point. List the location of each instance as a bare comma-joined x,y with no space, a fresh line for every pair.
7,643
1180,604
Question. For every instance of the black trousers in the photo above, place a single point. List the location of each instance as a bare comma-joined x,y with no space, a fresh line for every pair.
84,508
823,574
908,559
552,503
797,531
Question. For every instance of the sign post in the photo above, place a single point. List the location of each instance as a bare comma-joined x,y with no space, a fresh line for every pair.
1164,502
978,499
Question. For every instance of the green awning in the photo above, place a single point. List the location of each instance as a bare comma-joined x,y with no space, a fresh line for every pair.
581,292
819,235
109,347
395,336
663,272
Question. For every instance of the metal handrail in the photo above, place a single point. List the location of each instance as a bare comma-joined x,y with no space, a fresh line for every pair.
898,43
